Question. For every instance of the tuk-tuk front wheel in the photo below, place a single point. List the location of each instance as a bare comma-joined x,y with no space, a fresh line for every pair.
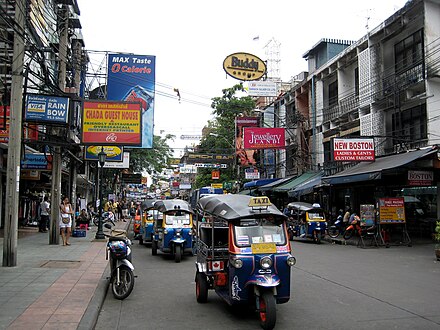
318,237
267,311
201,288
177,253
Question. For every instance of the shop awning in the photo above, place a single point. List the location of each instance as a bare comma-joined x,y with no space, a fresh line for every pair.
374,170
258,183
306,187
292,184
276,183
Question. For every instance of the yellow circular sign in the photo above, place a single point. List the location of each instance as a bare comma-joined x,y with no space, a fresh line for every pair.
244,66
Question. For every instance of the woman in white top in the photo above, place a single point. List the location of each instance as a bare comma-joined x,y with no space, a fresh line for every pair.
66,212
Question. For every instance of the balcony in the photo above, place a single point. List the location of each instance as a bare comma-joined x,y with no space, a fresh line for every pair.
343,107
398,82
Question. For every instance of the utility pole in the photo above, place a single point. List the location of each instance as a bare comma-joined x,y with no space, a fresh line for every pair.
14,145
54,236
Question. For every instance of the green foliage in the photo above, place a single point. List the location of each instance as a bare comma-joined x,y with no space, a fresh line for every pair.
154,159
437,231
226,108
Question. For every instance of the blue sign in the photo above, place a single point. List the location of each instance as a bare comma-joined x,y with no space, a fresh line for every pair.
131,78
46,108
36,161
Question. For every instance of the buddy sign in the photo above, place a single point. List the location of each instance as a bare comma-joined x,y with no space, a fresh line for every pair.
244,66
111,123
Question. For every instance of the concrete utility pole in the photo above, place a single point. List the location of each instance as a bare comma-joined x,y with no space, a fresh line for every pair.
54,236
14,145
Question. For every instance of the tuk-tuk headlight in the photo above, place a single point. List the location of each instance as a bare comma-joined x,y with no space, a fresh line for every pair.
291,261
165,231
266,262
236,263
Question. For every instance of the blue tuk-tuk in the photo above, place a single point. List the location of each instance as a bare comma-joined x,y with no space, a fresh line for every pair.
148,213
173,228
306,221
243,253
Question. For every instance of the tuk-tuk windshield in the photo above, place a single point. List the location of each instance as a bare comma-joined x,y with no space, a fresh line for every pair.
254,231
182,219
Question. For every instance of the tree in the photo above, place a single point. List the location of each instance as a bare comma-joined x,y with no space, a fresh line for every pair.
226,108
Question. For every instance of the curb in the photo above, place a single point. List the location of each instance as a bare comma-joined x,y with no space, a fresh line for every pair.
90,317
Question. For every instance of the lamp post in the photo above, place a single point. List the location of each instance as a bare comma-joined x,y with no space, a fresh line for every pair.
101,160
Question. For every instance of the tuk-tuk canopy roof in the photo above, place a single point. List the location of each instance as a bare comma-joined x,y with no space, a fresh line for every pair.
302,206
232,207
148,204
167,205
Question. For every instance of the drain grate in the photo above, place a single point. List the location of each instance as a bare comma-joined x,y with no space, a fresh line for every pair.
61,264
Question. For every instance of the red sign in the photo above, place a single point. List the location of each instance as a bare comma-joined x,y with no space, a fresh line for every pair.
111,123
420,178
264,138
215,174
30,131
245,157
353,150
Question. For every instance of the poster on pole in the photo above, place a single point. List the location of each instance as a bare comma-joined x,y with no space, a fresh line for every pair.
367,215
392,210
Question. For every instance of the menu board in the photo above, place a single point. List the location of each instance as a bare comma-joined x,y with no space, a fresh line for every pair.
392,210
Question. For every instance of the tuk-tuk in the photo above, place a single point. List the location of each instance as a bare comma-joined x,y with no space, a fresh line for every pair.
306,220
243,253
173,228
146,229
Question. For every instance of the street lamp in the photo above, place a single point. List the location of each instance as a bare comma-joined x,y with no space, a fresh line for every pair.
101,160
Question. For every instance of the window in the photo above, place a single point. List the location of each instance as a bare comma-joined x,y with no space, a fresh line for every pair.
259,231
410,124
333,94
409,52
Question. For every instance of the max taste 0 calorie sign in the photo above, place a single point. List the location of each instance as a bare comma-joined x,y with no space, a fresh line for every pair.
111,123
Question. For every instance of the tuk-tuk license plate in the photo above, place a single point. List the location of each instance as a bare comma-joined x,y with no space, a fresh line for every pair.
259,248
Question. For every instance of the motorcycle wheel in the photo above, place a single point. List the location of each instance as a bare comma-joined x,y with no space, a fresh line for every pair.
153,247
267,312
348,233
333,231
123,289
177,253
201,288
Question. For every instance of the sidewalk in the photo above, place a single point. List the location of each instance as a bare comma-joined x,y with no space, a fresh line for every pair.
54,286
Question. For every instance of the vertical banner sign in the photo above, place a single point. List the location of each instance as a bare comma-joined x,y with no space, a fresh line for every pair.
131,78
245,157
215,175
391,210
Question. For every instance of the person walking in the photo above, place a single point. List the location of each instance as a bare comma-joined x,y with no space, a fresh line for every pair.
66,212
44,215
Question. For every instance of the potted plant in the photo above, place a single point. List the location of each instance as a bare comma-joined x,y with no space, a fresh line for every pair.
437,240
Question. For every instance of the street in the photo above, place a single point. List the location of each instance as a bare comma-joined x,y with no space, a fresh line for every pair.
333,287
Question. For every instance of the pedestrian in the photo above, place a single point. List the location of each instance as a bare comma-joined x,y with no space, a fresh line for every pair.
346,217
66,212
44,215
124,207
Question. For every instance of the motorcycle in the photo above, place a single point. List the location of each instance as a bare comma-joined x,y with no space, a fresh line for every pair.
106,217
118,252
338,228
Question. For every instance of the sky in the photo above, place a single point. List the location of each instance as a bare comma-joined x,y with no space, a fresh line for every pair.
191,38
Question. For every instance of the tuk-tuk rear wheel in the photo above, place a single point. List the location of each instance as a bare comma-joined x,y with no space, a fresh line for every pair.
267,312
154,247
201,288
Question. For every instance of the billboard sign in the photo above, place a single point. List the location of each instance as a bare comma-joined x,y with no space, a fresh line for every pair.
111,123
113,153
251,174
264,138
209,158
36,161
262,88
244,66
353,150
46,108
30,131
420,178
131,78
245,157
124,164
392,210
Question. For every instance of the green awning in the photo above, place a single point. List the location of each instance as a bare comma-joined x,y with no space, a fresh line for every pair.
292,184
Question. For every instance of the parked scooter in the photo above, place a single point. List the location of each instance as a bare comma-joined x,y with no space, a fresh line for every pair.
121,268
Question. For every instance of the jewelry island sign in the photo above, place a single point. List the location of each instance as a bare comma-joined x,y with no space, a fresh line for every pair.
353,150
112,123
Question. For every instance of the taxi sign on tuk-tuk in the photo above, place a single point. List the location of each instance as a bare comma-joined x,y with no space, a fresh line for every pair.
259,202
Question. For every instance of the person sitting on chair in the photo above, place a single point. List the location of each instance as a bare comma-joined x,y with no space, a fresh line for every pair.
83,218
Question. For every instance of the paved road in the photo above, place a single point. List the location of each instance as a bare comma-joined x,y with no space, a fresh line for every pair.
333,287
